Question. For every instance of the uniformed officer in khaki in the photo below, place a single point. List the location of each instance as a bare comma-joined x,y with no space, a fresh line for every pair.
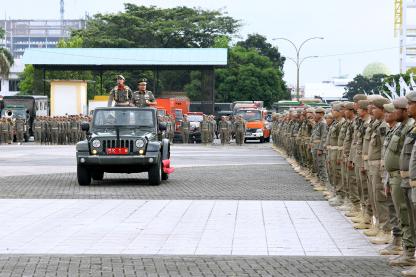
185,129
121,94
240,130
142,97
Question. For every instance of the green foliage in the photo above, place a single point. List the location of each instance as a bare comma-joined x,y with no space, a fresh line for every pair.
248,76
260,44
141,26
361,84
2,33
6,58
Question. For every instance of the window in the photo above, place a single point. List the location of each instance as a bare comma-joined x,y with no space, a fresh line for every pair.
13,85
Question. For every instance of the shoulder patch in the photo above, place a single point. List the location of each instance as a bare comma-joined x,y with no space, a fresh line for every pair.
383,131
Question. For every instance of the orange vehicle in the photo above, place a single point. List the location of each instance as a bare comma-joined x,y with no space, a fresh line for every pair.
175,107
257,127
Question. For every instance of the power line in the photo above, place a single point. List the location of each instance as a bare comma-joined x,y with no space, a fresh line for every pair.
359,52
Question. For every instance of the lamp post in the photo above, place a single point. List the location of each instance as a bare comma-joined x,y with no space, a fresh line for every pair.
298,60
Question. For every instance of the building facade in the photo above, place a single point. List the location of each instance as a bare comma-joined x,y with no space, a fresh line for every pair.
23,34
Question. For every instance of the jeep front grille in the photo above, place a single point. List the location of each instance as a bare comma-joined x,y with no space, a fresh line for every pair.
123,143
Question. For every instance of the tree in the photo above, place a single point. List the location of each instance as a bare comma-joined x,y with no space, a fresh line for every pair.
260,44
141,26
6,59
248,76
361,84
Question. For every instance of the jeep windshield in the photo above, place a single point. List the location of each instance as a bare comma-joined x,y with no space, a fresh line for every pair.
127,118
250,115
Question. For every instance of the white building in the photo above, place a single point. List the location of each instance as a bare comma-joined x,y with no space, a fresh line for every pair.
331,90
10,86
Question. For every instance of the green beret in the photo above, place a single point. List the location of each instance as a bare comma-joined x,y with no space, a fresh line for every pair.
411,97
389,107
400,103
379,102
142,80
359,97
363,104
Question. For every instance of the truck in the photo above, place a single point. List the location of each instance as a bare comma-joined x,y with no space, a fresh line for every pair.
257,126
123,140
30,106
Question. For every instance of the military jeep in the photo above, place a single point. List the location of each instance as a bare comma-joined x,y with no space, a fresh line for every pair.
123,140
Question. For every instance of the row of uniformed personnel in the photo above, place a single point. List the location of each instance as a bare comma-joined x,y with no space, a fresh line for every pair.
59,129
10,128
225,129
362,155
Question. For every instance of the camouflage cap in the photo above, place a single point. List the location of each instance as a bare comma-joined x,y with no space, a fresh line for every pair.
310,110
120,77
389,107
359,97
373,97
319,110
380,101
400,103
349,105
363,104
411,97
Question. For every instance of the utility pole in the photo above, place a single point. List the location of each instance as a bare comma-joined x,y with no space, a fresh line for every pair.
298,61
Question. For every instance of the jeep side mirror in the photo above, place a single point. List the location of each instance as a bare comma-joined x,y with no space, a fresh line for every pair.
85,126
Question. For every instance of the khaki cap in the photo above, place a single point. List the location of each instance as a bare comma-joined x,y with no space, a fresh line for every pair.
411,97
359,97
310,110
389,107
337,107
400,103
319,110
379,102
349,105
363,104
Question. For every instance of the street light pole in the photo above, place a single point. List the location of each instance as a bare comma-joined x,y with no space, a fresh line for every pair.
298,61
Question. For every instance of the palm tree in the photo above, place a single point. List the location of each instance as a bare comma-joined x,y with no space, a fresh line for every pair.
6,59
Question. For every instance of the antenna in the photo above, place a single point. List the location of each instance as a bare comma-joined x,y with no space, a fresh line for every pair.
62,10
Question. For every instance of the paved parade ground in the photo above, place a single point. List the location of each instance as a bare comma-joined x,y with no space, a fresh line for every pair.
226,211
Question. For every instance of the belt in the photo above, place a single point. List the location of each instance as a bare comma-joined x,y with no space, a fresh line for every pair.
55,128
74,128
376,162
395,173
404,174
413,183
316,141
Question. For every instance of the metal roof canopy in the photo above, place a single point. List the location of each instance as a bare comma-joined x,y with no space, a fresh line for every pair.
155,59
125,58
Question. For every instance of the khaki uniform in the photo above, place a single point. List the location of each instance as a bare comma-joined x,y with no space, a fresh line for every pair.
141,98
380,129
122,95
185,127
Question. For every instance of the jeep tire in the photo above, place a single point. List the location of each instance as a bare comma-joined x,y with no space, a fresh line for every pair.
97,175
83,175
155,173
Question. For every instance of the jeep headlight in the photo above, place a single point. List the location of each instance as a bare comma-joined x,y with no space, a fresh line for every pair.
140,143
96,143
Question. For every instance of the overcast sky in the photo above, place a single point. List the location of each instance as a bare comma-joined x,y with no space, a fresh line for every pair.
348,26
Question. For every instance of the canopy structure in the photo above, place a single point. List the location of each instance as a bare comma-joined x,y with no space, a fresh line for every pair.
155,59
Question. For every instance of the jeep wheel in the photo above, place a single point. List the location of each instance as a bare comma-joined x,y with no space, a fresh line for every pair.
97,175
83,175
155,173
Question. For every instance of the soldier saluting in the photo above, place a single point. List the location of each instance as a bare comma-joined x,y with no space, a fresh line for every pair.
142,97
121,94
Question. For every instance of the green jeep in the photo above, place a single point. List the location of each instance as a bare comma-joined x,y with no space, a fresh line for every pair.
123,140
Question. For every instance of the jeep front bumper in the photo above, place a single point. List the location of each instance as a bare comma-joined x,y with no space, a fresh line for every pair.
87,159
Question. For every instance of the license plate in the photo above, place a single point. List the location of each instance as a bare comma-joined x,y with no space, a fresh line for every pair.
117,151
